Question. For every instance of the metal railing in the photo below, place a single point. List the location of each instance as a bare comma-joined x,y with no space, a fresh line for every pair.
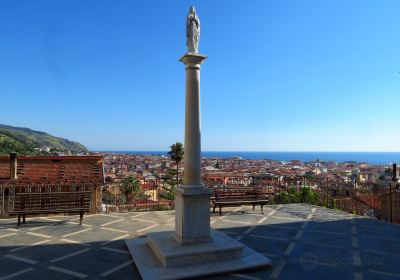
367,199
147,200
377,199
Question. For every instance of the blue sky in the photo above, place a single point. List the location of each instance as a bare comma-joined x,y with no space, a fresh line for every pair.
281,75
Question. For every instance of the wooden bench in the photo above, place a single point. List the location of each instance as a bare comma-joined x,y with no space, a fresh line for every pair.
238,196
34,203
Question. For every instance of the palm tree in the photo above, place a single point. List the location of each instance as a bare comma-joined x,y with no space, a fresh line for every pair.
131,186
176,154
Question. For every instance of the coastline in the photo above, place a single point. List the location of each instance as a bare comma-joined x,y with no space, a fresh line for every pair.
340,157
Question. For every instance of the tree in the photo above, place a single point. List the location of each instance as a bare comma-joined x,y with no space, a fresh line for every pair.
309,177
170,179
389,172
131,186
176,154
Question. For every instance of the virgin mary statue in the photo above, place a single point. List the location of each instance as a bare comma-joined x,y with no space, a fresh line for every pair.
192,31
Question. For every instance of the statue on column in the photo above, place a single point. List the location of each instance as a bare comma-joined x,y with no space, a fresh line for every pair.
192,31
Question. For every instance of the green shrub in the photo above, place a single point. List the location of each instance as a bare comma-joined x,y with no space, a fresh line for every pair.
305,195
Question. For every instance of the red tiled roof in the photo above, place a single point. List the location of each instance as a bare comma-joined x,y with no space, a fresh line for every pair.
114,190
54,169
145,187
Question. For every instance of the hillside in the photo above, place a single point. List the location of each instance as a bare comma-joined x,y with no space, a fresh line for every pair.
25,141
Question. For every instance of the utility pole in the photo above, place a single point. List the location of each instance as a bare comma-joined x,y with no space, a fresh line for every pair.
115,197
394,181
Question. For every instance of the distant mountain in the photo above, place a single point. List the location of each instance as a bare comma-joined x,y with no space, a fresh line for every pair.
25,141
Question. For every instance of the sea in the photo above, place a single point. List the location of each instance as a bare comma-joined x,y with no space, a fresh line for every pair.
369,157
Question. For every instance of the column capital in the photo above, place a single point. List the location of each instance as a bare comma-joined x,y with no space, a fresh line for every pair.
193,59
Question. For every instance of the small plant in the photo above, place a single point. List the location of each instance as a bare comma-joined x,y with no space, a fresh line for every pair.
334,206
306,195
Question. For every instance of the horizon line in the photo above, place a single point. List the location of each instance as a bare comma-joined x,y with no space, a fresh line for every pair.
238,151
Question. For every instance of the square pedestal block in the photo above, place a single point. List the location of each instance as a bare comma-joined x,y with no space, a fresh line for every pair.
170,253
192,214
160,257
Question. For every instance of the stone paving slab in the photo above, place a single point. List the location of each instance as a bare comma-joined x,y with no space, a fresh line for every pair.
303,241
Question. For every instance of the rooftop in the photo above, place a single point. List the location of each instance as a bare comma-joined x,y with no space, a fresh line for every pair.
304,242
54,169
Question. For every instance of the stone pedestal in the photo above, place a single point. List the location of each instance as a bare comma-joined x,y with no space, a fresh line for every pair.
192,215
160,257
172,254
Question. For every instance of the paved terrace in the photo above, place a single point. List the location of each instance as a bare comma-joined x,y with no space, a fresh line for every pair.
304,242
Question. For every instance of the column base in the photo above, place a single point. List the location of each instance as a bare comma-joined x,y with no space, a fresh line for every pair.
192,214
191,241
160,257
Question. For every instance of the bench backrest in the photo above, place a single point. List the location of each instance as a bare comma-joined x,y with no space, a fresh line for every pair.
234,194
51,201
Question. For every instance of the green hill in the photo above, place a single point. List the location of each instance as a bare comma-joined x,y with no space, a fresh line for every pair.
25,141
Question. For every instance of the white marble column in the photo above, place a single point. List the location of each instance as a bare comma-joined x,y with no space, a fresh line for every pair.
192,198
192,156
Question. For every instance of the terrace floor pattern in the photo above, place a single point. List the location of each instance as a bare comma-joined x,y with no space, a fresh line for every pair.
304,242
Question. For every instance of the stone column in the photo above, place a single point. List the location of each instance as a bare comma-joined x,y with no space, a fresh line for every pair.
192,156
192,199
